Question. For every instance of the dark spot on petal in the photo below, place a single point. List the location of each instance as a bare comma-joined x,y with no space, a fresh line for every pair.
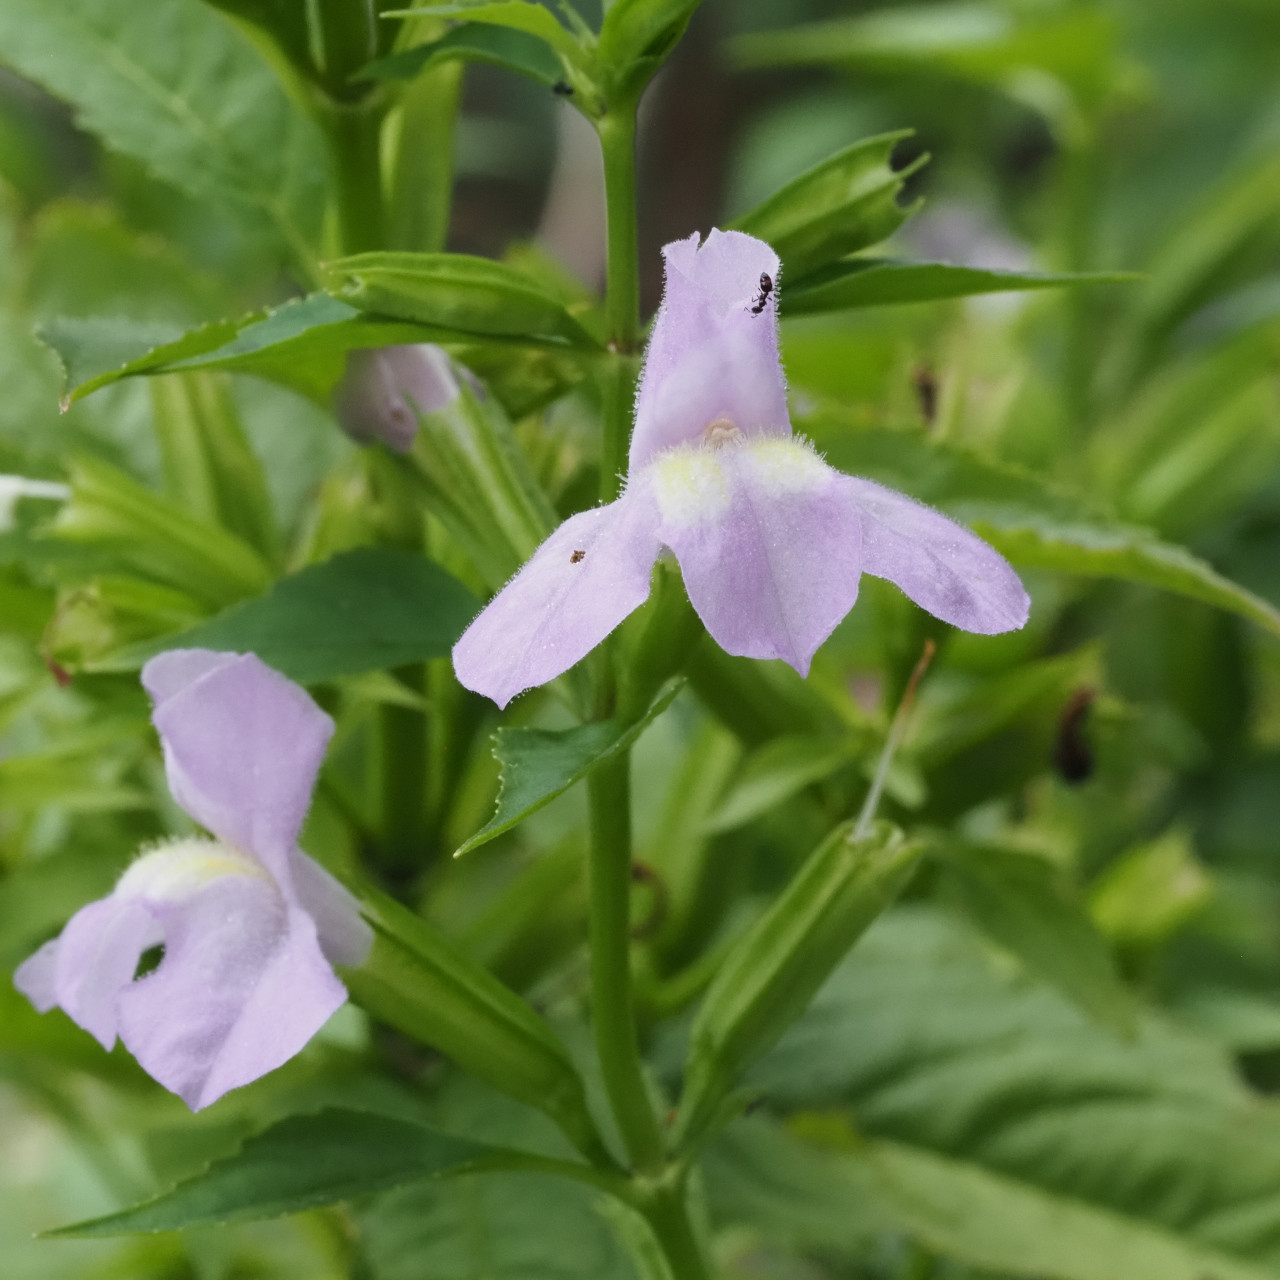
577,555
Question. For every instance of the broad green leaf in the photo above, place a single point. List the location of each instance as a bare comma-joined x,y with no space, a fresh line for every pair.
364,610
847,203
1033,522
474,42
882,282
503,1226
299,1163
539,764
844,1194
519,15
1150,891
1024,903
776,772
935,1042
171,84
457,292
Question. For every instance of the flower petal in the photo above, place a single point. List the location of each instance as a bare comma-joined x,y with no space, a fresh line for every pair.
344,936
768,543
97,955
242,747
939,564
585,578
712,355
35,977
242,987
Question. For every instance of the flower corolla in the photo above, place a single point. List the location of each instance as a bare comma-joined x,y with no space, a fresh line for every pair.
770,540
249,925
384,391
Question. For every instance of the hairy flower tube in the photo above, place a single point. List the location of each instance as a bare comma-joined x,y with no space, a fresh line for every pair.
249,925
770,540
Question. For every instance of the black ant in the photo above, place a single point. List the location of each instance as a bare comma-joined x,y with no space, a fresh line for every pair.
766,288
562,88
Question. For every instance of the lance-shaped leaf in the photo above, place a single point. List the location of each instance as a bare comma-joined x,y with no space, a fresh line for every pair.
637,35
302,345
299,1163
421,983
519,15
775,969
172,85
457,292
847,203
474,42
539,764
370,609
882,282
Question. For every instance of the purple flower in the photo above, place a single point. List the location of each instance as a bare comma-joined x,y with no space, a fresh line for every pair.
385,390
250,926
771,541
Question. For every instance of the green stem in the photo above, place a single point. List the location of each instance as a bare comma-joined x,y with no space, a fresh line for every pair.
613,1004
622,299
668,1217
353,133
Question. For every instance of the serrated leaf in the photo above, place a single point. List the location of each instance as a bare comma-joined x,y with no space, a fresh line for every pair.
171,84
474,42
364,610
1033,522
457,292
1023,902
847,203
539,764
882,282
844,1195
299,1163
934,1042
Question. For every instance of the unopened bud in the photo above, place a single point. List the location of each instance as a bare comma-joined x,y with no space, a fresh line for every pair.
386,390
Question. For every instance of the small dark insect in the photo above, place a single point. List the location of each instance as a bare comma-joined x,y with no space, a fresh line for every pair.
563,88
766,288
1072,752
577,555
926,385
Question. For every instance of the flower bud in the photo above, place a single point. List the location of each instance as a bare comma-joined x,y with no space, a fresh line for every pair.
385,391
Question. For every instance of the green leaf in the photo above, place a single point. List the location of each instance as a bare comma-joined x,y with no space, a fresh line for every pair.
641,32
776,772
457,292
882,282
847,203
935,1042
539,764
474,42
775,968
1033,522
299,1163
519,15
171,84
364,610
1025,904
844,1194
503,1226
